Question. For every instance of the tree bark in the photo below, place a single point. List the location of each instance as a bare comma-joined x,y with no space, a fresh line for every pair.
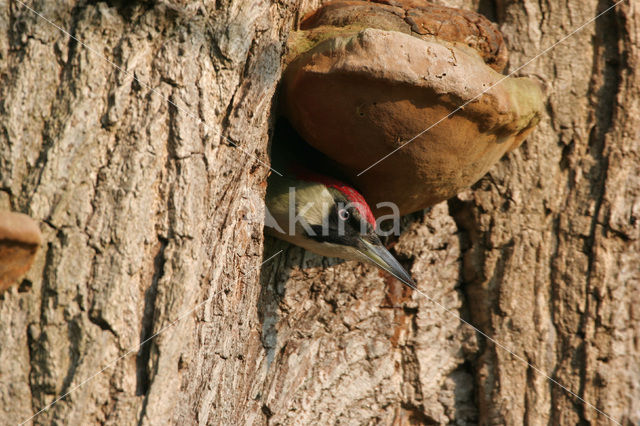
149,194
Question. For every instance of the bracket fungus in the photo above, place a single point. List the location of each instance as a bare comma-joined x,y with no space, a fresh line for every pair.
363,78
20,239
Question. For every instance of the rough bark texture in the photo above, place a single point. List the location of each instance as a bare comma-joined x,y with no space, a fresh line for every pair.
149,198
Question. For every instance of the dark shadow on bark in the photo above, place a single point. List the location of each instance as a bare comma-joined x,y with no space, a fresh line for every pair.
142,360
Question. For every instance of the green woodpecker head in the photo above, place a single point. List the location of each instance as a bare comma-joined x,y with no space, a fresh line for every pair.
327,217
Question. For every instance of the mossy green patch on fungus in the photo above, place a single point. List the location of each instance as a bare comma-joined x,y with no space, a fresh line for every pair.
305,40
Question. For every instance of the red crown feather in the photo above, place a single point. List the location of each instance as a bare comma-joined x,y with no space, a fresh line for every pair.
350,193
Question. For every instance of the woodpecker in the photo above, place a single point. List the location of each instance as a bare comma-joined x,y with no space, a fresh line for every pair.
324,215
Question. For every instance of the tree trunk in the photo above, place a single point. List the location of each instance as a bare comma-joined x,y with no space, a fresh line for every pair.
143,154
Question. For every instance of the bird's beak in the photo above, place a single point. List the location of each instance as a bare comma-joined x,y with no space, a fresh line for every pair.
381,257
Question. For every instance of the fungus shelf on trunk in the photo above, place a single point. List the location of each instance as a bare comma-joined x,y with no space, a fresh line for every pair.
20,239
368,79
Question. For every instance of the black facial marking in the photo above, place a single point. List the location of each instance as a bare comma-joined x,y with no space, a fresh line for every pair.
344,229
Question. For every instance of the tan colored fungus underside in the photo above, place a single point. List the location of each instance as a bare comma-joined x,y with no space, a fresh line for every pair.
359,96
19,241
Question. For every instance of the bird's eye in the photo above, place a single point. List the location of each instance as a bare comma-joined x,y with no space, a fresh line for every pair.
343,214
